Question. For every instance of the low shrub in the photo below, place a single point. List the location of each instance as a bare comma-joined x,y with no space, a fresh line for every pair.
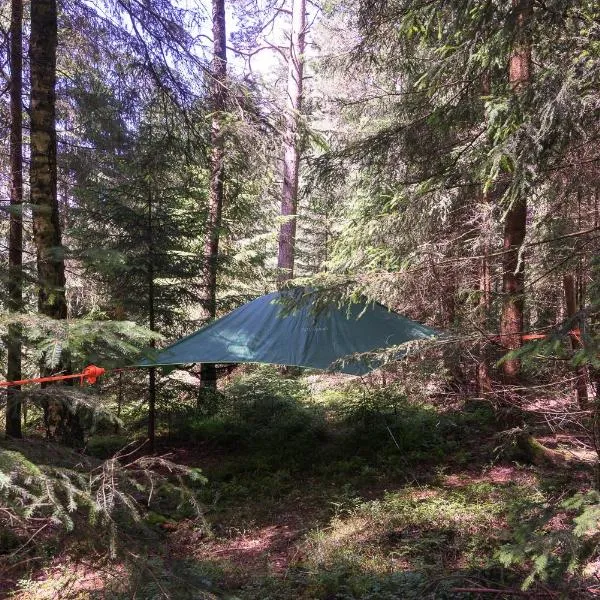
105,446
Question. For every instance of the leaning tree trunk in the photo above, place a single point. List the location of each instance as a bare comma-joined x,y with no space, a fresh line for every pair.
291,143
15,243
60,422
513,278
217,163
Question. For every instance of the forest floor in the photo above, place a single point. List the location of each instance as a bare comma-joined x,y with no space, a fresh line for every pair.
336,494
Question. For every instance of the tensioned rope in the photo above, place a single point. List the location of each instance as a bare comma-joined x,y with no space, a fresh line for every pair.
89,375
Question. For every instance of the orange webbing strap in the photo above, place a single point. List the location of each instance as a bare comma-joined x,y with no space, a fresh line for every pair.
89,375
575,333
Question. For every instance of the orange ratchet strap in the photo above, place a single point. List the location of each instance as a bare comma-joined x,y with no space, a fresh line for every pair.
89,375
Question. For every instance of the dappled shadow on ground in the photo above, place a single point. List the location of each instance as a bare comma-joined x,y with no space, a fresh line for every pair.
184,579
279,545
267,549
373,501
405,502
496,474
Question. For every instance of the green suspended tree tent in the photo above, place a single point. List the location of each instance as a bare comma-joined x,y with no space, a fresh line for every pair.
292,328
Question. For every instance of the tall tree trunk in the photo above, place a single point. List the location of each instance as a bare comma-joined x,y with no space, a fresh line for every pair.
217,162
291,142
152,327
60,422
47,233
595,433
483,376
15,250
570,288
513,278
484,381
447,284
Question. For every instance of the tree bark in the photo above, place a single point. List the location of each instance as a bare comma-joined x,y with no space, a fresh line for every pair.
596,425
217,165
15,243
291,143
46,226
483,376
484,381
513,278
152,327
570,288
60,422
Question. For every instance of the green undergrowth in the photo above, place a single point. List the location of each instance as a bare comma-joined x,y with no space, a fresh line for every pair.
415,542
53,498
270,424
348,492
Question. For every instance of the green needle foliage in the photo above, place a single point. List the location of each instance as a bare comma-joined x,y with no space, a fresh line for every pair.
109,497
556,541
138,228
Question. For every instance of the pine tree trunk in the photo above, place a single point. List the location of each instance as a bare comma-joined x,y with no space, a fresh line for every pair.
291,143
15,250
484,381
483,376
513,278
595,433
217,162
47,234
447,284
60,423
152,327
581,372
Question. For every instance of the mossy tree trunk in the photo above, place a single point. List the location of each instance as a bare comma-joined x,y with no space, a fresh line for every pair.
60,422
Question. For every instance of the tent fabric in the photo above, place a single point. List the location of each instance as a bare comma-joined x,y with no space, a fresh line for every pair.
290,328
